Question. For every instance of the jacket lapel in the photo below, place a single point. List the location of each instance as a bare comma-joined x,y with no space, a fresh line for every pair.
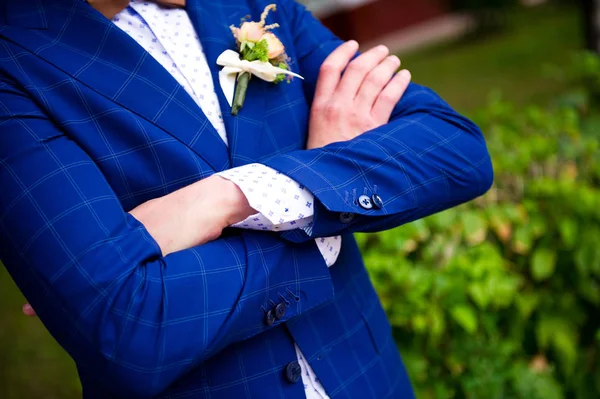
212,20
91,49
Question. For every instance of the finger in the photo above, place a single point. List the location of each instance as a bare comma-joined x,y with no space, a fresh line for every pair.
332,68
390,96
376,81
358,69
28,310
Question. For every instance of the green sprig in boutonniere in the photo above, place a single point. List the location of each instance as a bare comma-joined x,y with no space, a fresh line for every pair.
260,53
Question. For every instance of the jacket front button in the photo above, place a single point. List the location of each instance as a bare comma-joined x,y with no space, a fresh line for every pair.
365,202
293,372
280,311
270,318
346,217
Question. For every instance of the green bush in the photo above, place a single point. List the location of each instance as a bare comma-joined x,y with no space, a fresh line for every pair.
585,75
583,79
500,298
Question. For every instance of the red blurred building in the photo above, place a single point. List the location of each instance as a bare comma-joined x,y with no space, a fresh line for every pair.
368,20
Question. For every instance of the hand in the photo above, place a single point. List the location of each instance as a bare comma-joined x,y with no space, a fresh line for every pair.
361,100
193,215
28,310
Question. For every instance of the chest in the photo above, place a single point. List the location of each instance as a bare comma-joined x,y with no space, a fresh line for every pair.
136,120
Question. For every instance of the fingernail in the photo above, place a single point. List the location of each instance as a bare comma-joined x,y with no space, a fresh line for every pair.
395,59
352,43
405,73
381,47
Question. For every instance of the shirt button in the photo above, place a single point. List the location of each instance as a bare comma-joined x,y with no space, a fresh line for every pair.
365,202
293,372
377,201
346,217
280,311
270,318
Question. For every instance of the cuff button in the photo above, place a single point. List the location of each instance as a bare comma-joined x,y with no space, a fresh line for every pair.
280,311
365,202
376,201
270,318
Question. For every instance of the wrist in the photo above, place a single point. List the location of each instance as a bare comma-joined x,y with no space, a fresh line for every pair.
232,201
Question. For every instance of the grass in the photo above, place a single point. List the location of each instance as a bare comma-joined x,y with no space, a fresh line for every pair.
32,364
513,61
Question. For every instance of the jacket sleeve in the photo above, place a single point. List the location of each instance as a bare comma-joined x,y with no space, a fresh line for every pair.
428,158
135,320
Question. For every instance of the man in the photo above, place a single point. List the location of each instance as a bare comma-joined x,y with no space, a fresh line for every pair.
122,167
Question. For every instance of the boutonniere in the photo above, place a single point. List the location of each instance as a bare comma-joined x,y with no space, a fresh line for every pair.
260,53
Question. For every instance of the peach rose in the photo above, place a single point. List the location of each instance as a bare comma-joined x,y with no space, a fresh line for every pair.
276,48
249,32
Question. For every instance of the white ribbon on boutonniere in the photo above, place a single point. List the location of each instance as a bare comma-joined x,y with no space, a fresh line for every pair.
233,65
261,54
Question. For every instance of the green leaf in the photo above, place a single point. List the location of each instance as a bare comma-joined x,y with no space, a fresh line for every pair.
421,230
544,330
504,290
475,227
587,256
590,290
417,364
522,240
480,295
465,316
562,334
536,381
444,220
437,322
565,343
281,77
527,303
543,263
419,323
568,232
257,51
538,224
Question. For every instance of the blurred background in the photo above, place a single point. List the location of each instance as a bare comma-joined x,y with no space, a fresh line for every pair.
499,298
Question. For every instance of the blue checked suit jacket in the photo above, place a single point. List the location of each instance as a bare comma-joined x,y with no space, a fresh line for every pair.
92,126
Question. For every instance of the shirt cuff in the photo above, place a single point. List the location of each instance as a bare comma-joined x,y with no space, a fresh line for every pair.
282,203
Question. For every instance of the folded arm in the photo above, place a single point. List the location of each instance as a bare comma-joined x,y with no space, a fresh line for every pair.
426,159
374,87
99,281
282,205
